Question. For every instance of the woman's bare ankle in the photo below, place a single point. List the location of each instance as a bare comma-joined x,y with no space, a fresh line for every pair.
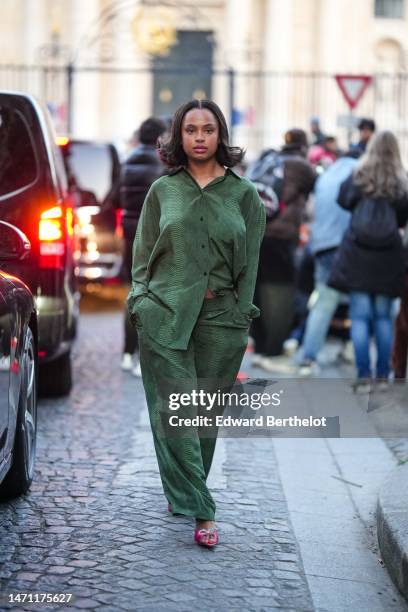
204,524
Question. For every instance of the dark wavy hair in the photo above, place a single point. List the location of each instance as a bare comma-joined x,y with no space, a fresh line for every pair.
171,150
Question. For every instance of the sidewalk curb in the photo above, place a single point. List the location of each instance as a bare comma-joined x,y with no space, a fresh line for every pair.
392,526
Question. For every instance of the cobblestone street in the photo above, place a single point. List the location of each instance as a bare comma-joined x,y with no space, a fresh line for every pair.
95,523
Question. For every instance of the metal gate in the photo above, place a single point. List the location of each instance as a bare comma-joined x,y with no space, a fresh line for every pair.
113,99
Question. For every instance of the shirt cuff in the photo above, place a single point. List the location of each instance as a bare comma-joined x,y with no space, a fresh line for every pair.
132,298
249,312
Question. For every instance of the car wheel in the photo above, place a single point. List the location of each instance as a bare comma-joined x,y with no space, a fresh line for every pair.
56,377
21,472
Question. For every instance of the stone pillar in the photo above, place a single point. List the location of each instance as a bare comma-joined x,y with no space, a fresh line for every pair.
35,33
330,35
127,96
239,19
334,57
356,55
279,47
86,85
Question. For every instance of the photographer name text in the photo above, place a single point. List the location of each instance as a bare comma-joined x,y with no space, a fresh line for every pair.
259,421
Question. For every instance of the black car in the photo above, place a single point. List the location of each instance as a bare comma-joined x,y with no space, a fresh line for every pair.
34,197
18,369
93,170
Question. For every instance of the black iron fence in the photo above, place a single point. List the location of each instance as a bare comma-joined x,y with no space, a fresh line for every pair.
260,105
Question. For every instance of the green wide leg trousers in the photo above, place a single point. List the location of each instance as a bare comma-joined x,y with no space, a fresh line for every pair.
211,363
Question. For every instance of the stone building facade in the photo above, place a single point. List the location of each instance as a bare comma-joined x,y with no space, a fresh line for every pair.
273,61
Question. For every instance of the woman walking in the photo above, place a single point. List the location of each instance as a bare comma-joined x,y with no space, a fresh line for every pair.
370,261
195,259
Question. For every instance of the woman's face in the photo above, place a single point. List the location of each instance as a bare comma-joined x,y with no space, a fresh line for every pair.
200,134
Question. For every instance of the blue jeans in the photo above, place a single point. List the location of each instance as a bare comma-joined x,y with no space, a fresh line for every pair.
322,311
371,313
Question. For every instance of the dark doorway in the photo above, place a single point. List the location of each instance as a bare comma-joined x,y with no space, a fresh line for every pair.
184,74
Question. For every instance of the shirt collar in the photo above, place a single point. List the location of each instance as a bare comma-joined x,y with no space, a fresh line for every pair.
234,173
174,171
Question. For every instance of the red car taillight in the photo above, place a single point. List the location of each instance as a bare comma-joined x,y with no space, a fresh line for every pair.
118,223
55,223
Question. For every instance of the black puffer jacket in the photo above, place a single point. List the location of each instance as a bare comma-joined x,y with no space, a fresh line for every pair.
138,172
276,257
358,268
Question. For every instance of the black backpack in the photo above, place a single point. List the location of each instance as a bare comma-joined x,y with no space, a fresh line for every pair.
374,223
267,174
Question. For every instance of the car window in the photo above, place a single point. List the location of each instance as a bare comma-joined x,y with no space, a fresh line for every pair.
55,153
18,163
91,167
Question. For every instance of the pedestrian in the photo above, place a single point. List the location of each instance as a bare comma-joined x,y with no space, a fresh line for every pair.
138,172
366,128
400,348
276,282
327,230
304,288
195,259
317,134
324,154
370,261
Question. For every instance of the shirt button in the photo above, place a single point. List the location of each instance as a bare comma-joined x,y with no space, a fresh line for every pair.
203,246
205,273
201,218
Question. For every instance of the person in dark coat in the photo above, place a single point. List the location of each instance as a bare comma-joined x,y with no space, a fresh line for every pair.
366,128
400,348
370,261
142,167
276,281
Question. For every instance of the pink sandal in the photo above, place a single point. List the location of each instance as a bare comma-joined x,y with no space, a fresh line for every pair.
206,537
